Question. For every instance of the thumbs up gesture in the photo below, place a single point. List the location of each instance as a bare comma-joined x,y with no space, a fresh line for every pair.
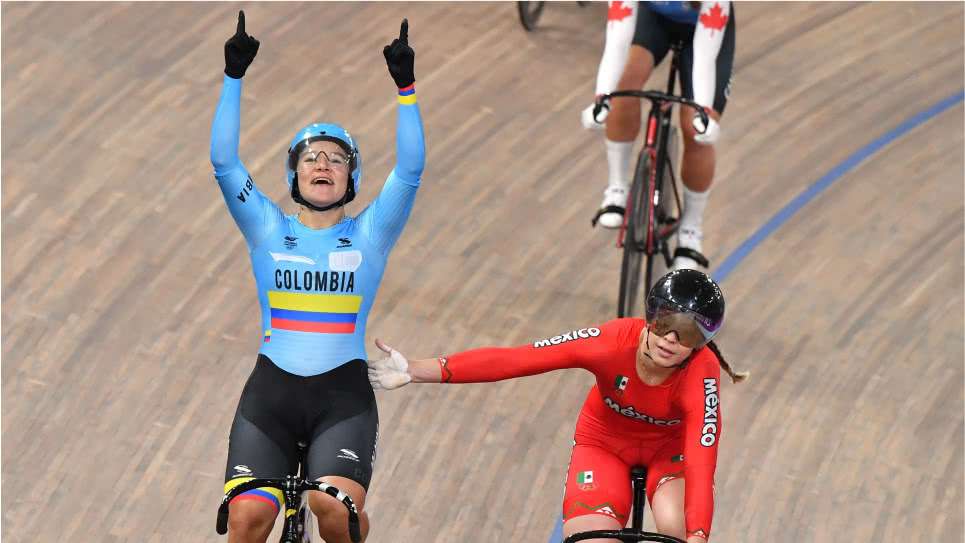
401,58
239,50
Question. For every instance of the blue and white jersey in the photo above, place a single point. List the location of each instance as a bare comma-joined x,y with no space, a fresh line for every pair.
316,287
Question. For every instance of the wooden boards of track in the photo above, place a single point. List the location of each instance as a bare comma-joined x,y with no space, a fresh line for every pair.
130,321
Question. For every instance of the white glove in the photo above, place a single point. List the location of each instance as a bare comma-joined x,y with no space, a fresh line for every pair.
710,135
389,372
591,123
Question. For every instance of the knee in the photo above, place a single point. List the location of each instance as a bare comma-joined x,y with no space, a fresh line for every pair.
250,519
688,130
331,514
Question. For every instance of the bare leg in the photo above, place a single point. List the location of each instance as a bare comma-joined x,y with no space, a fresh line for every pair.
668,509
249,521
331,513
622,127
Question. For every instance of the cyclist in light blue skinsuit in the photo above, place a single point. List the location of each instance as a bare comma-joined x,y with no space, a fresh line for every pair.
317,274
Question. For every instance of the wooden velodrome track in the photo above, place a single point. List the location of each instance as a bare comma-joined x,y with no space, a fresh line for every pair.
130,319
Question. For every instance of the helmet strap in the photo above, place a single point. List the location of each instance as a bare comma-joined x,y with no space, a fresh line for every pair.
346,198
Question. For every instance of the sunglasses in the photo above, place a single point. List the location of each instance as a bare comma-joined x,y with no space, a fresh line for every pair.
689,331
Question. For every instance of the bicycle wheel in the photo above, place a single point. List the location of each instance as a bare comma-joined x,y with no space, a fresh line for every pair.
529,13
638,243
305,526
667,211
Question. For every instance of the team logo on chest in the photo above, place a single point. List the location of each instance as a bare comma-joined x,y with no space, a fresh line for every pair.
630,411
315,281
621,383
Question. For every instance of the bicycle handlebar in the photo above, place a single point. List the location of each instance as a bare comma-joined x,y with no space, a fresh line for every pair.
626,535
658,98
354,532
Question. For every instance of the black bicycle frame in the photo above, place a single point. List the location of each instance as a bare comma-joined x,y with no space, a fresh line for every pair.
658,132
658,120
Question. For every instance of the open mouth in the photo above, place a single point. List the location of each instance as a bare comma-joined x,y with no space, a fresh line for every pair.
322,181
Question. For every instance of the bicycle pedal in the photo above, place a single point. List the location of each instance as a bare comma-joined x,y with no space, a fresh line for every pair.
619,210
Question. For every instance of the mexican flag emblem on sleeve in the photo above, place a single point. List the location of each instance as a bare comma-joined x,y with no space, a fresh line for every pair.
584,477
621,382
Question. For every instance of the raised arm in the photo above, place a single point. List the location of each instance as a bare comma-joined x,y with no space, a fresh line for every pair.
385,218
239,52
251,209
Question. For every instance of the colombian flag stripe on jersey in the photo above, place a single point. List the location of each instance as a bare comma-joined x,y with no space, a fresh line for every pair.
323,327
321,303
325,313
312,316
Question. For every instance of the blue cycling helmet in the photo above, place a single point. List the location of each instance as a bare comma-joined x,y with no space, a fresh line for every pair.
324,132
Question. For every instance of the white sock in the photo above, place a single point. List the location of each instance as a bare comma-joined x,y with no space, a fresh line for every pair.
619,154
694,204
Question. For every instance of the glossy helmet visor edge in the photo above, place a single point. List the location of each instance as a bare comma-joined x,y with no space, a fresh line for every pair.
689,303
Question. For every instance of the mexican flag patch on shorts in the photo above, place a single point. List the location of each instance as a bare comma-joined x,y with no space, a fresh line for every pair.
584,477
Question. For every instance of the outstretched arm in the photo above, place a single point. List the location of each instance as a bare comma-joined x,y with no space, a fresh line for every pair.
586,348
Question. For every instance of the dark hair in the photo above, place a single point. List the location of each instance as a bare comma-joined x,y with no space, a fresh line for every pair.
735,376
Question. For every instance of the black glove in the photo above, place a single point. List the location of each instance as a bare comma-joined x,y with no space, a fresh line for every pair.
239,50
401,58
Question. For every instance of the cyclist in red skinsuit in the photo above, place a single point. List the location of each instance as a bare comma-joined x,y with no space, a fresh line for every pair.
655,403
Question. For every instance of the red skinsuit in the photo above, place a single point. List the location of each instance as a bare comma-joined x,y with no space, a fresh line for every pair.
624,422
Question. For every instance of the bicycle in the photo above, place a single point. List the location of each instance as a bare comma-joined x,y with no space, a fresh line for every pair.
635,533
298,517
650,220
529,13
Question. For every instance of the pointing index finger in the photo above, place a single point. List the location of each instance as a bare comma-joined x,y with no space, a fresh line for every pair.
241,23
404,31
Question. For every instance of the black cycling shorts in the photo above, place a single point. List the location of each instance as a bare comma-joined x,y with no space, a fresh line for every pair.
656,33
334,413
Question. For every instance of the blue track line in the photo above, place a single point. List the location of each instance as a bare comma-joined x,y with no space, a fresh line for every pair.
809,194
818,187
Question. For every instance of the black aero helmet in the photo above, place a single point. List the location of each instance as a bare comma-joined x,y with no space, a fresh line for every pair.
689,303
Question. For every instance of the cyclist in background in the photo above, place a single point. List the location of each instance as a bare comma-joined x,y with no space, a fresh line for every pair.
708,32
317,273
656,403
